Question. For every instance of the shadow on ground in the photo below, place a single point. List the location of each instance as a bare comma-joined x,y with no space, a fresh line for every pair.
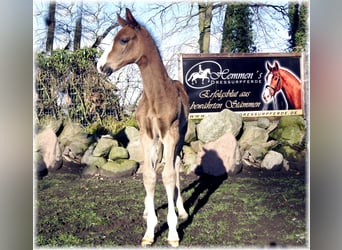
203,188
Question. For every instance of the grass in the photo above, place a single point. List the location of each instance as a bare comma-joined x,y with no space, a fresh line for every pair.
233,211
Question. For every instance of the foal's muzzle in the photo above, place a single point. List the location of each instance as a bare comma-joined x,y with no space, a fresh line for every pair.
105,69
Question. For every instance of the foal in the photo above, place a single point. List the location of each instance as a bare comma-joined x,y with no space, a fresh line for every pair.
162,115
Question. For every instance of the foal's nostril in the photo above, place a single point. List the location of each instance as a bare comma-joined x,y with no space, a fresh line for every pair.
106,70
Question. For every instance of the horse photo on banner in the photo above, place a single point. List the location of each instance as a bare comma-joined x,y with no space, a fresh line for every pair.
282,80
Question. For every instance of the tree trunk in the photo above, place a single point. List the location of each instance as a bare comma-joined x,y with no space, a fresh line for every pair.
205,16
298,26
294,22
78,28
225,45
237,35
51,23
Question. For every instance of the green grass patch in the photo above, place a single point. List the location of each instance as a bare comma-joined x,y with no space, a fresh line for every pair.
248,211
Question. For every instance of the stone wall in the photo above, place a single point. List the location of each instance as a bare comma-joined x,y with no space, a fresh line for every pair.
219,144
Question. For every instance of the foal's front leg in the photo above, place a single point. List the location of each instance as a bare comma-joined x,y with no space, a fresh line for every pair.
149,178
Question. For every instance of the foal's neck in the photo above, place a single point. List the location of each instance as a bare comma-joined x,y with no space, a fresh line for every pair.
153,72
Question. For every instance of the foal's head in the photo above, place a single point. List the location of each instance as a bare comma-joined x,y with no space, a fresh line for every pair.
127,46
273,84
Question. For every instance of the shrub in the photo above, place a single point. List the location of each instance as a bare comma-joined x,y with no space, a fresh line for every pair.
67,85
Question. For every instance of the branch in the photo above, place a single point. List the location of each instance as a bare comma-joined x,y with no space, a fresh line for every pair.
100,38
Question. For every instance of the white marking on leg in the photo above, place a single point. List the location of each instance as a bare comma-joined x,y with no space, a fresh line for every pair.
149,179
171,215
179,201
151,219
169,180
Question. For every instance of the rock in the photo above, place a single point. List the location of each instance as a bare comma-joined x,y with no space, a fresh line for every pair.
55,125
132,133
118,153
272,161
135,151
40,166
119,168
291,130
74,142
104,145
286,165
97,161
191,132
296,158
75,150
70,131
253,135
221,156
48,147
216,125
290,134
253,145
196,146
90,160
253,156
269,144
272,126
87,155
190,159
91,171
263,122
127,135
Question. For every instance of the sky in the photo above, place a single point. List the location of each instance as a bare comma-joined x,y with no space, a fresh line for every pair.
171,44
277,30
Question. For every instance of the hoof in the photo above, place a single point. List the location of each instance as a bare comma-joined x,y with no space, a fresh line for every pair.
173,243
183,216
146,242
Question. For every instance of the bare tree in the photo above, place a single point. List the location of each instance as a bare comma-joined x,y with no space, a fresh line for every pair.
51,23
78,27
99,38
205,16
72,25
264,18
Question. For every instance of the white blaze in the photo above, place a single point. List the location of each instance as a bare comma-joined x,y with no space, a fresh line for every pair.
103,59
269,78
267,93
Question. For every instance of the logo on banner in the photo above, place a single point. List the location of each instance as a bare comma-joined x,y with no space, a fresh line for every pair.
207,73
199,76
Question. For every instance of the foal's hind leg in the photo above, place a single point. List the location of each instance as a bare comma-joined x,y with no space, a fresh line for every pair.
179,201
169,180
149,178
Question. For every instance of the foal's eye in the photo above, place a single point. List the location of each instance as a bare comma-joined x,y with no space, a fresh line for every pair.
124,41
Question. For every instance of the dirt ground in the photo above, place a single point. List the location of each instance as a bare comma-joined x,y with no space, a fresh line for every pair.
254,208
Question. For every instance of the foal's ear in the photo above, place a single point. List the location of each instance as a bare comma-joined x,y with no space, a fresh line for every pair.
130,19
121,21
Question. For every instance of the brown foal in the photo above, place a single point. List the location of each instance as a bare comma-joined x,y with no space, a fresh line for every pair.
162,115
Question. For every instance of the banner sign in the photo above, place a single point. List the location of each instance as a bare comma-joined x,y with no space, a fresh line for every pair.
253,85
